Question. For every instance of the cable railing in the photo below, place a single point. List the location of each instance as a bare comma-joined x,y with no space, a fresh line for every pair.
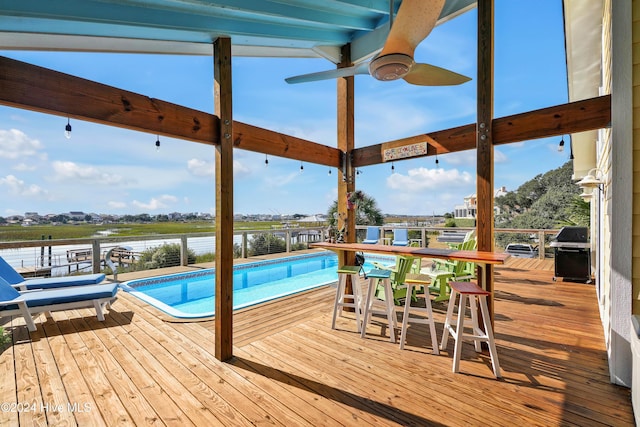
60,257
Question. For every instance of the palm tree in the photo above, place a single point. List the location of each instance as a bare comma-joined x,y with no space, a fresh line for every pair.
579,213
367,212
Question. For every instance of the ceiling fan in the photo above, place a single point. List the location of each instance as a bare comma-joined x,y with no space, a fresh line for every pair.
413,23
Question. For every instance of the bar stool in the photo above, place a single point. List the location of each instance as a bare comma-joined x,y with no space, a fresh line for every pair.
418,281
472,291
374,276
356,295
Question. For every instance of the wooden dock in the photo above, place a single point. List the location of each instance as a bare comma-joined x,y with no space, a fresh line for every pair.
290,368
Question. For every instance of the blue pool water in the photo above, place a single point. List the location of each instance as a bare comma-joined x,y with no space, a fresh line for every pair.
191,295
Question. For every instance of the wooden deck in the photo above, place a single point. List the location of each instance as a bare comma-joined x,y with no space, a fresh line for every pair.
291,369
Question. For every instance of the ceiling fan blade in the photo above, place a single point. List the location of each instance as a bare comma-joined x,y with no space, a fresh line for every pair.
430,75
413,23
362,68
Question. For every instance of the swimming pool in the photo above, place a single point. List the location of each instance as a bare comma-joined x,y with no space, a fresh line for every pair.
191,295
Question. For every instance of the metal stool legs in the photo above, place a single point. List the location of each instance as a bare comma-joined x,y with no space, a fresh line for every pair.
341,295
471,291
385,276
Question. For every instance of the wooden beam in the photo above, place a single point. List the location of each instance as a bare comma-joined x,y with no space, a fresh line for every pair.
484,144
448,141
252,138
39,89
224,200
578,116
346,142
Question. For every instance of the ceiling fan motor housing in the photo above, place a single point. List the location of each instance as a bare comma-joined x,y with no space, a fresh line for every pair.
391,67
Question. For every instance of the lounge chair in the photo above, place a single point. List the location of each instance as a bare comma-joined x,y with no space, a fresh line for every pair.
15,279
400,237
403,266
442,272
373,236
30,303
468,236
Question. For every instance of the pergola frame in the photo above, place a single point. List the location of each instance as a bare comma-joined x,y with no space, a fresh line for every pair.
39,89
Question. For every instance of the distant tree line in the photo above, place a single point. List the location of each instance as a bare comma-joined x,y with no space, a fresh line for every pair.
549,200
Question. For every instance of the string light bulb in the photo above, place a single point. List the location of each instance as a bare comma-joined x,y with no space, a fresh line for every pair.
158,143
393,168
67,129
266,160
301,167
561,145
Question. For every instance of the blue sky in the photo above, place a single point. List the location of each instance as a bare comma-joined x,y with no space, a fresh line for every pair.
116,171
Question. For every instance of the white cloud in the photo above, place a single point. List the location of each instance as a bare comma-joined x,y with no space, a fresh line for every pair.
15,144
199,167
280,180
240,169
421,179
202,168
70,171
117,205
161,202
23,167
20,188
499,156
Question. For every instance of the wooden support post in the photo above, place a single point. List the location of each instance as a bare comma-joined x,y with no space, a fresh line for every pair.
346,175
224,201
95,256
484,142
184,251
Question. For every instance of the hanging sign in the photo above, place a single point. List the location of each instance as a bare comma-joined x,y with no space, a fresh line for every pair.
411,150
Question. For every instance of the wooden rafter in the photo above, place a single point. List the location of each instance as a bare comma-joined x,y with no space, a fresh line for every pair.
39,89
573,117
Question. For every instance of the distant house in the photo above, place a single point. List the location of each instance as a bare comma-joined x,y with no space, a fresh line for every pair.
15,219
469,208
77,215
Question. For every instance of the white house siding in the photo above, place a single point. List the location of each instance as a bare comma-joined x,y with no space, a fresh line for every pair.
616,160
602,63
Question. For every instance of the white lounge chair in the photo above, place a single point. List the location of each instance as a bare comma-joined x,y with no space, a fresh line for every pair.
15,279
31,303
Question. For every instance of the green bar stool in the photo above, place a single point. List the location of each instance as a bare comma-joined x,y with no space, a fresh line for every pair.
376,275
471,291
342,295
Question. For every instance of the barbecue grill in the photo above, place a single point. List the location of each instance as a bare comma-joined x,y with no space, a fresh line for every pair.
572,254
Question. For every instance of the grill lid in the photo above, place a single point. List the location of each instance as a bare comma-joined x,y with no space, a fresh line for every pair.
572,234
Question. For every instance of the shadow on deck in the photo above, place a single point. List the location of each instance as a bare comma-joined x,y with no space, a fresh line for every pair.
290,368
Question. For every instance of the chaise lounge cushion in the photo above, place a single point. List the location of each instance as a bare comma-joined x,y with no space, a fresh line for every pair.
10,275
57,282
57,296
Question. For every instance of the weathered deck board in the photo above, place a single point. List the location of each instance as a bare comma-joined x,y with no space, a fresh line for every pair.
290,368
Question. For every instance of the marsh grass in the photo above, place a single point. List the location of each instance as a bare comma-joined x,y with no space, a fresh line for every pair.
81,231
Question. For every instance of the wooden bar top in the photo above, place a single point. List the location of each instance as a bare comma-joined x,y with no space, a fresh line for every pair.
452,254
